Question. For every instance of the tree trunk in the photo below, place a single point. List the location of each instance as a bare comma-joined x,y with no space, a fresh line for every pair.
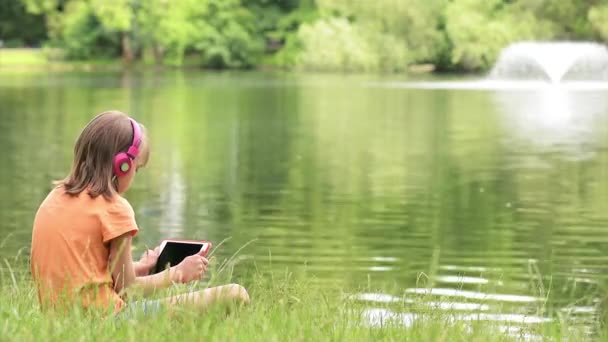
127,49
159,53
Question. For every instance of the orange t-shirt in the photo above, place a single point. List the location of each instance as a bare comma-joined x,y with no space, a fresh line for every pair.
71,248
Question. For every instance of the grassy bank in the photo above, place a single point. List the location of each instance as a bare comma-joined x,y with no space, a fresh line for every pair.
283,309
34,59
22,57
19,59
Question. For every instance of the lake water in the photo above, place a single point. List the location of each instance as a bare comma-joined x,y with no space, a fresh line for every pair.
491,200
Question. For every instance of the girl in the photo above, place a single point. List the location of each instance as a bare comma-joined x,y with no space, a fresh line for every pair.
81,241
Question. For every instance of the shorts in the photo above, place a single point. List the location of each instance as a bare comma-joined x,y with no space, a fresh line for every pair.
140,308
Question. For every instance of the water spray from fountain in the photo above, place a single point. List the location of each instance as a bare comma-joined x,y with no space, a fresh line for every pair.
552,61
532,66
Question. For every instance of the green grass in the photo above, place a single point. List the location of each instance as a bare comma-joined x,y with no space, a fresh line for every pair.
283,308
22,57
48,59
26,59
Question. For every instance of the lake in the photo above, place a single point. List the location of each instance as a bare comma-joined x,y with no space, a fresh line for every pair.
492,201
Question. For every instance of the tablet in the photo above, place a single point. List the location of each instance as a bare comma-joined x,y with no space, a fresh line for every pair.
173,251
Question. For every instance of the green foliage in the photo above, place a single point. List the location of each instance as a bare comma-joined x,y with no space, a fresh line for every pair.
568,17
335,44
221,32
224,35
283,308
83,36
451,34
22,57
479,29
598,17
415,22
167,29
278,23
287,34
42,6
51,10
17,27
113,15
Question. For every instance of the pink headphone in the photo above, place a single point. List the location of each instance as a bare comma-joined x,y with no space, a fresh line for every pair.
123,161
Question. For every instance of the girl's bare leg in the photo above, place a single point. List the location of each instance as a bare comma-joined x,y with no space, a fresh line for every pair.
227,294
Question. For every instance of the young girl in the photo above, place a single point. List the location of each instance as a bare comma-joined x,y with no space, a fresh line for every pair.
81,241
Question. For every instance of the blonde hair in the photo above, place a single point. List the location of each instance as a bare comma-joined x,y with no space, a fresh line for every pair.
93,168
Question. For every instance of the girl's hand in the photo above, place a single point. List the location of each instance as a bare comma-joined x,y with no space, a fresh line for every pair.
148,259
191,268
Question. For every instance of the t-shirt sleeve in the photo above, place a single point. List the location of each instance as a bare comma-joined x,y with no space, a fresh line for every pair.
117,220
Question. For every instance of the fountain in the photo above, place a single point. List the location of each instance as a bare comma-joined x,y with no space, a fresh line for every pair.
563,99
531,66
553,61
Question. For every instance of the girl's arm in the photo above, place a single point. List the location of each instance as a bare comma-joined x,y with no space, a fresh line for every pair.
124,270
126,279
140,270
146,262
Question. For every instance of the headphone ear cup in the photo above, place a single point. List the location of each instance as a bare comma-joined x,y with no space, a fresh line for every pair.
122,164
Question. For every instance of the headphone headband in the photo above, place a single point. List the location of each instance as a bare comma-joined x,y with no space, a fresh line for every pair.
133,150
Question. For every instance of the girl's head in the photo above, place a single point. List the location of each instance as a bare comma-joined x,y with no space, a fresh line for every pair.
107,135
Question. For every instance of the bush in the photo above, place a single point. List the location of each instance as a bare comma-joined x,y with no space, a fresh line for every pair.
414,22
479,29
286,33
225,35
83,37
19,28
220,32
598,16
12,43
336,44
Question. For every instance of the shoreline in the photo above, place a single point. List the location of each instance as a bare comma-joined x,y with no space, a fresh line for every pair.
37,59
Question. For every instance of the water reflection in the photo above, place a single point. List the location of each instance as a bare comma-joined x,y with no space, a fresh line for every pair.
349,184
449,292
462,280
518,325
173,198
435,305
549,115
494,85
383,317
378,297
553,118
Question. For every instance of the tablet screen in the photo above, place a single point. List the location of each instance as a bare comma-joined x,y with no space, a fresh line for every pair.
173,252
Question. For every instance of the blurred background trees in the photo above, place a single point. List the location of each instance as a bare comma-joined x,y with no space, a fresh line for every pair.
337,35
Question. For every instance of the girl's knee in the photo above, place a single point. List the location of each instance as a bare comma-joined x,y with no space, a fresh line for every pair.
239,293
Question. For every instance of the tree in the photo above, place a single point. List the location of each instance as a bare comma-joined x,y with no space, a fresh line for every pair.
224,34
18,27
598,17
117,16
417,23
478,30
81,34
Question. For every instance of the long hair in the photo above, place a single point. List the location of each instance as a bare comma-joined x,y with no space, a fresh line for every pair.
102,138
